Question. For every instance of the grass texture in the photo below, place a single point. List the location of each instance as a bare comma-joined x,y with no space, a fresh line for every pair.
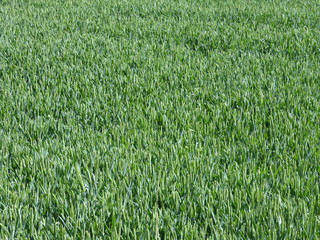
160,119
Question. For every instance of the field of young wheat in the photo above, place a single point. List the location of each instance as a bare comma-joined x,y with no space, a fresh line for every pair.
169,119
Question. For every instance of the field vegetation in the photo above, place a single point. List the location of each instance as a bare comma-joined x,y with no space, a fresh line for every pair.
169,119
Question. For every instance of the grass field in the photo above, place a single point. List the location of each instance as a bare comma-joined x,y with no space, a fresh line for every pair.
160,119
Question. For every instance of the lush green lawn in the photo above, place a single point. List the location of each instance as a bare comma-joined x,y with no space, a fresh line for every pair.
140,119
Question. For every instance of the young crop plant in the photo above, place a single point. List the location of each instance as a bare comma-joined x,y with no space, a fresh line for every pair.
159,120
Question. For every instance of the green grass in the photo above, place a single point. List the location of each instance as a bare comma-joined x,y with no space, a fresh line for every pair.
164,119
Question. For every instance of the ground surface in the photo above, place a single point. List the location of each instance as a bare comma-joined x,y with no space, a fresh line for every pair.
159,119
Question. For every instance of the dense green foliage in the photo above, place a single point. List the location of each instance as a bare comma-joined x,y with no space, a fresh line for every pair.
164,119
